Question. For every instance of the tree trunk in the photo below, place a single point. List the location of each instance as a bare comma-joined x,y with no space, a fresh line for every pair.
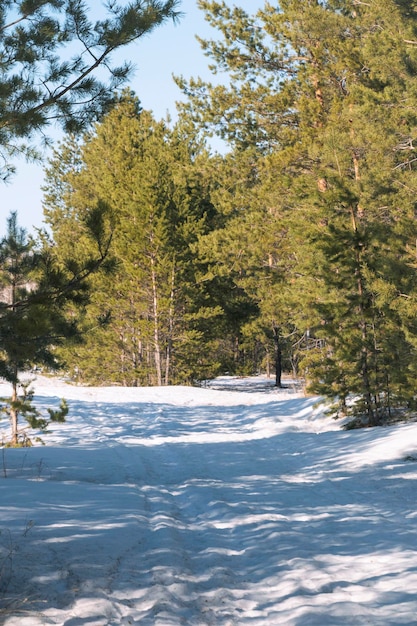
171,326
14,416
157,348
278,358
364,356
268,365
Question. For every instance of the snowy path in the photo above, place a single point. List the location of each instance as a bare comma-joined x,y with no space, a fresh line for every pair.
197,507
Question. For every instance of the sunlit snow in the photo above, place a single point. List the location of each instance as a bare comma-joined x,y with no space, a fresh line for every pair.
234,504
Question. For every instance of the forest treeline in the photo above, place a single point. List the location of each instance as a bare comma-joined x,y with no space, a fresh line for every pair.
293,248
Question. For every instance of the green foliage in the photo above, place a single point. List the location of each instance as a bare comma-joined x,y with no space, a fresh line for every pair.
297,247
50,56
153,180
320,95
21,404
37,299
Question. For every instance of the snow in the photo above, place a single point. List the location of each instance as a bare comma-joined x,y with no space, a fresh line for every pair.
232,504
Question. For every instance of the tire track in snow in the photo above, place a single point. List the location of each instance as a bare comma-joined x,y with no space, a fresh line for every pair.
164,565
169,576
152,581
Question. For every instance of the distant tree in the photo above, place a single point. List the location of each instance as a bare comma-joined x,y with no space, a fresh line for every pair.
50,56
35,292
247,259
153,178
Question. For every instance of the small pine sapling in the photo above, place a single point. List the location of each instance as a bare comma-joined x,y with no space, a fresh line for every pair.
21,405
35,296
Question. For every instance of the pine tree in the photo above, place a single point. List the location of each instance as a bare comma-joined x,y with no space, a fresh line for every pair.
246,253
50,54
358,214
325,93
35,293
150,177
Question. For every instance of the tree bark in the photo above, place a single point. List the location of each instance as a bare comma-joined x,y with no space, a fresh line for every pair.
171,326
278,358
14,416
364,356
157,347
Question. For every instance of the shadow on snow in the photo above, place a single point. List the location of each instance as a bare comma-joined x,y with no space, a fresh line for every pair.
138,518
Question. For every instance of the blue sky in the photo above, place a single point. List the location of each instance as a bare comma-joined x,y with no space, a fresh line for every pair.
170,49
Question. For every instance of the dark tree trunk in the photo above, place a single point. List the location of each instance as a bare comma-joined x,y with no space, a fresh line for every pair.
278,358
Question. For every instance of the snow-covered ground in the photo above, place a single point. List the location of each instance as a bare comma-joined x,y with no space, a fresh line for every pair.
235,504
